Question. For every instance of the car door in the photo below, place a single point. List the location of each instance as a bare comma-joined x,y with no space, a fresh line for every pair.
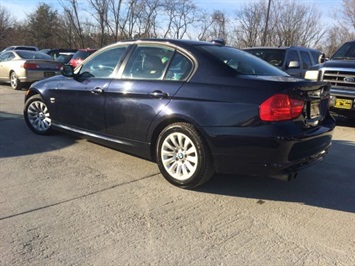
5,62
80,100
152,76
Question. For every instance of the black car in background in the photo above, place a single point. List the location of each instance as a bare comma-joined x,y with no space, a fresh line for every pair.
56,52
196,108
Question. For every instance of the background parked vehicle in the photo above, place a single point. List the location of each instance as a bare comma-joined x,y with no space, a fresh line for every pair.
195,108
80,55
20,47
19,67
55,53
294,60
340,72
64,57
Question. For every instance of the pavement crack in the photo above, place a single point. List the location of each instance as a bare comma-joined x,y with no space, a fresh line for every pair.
79,197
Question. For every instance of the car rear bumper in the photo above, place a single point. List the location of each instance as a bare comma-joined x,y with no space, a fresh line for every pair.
32,76
269,150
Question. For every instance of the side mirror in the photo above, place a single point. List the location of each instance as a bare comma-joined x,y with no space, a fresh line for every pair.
68,71
293,64
322,59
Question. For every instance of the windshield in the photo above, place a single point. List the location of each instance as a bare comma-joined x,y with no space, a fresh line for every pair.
347,51
242,62
273,56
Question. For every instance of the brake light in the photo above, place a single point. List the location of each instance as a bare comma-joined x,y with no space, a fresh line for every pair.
30,66
280,107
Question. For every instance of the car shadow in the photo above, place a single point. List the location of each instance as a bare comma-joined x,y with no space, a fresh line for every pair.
328,184
344,121
16,139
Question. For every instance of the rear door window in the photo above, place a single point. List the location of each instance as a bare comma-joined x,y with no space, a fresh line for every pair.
148,62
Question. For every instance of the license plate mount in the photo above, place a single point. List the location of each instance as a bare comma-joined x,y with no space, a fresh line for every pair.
315,109
48,74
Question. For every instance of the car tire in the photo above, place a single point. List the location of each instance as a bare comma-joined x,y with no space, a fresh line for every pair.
14,81
37,115
183,156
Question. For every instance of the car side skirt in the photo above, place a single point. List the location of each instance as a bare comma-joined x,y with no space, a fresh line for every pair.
140,149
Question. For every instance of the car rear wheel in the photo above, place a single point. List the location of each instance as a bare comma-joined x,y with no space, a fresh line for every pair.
183,156
37,115
14,81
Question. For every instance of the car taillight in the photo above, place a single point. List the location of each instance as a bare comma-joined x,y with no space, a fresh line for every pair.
30,66
280,107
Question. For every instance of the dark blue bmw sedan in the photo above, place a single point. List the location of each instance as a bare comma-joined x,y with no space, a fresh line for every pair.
196,108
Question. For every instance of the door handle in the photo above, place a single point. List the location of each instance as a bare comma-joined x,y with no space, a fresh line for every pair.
158,94
97,90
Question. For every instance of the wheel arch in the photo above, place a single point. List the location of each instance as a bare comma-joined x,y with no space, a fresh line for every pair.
163,124
30,93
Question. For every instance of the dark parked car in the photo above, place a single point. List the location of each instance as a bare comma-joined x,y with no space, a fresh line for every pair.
55,53
80,56
64,58
295,60
195,108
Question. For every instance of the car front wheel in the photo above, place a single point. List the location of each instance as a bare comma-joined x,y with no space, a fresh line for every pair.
183,156
37,115
14,81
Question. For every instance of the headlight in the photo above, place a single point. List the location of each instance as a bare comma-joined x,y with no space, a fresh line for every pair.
311,74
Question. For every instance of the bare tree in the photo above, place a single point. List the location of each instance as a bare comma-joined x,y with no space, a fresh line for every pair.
71,12
100,8
343,30
289,23
180,14
148,21
251,23
6,23
213,26
296,24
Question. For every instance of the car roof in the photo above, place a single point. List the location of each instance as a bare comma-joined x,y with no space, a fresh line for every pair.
281,48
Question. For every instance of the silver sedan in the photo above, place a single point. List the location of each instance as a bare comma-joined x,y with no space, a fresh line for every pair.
19,67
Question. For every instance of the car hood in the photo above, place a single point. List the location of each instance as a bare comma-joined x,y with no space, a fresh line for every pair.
340,63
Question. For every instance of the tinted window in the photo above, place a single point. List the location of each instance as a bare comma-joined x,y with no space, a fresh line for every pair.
148,62
179,68
242,62
306,60
273,56
103,64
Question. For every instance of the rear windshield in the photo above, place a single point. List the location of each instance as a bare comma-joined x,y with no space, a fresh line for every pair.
33,55
242,62
347,51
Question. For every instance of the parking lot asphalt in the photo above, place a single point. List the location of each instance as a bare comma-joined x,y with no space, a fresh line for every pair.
67,201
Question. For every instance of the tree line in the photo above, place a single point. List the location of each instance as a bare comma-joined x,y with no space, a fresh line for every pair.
100,22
